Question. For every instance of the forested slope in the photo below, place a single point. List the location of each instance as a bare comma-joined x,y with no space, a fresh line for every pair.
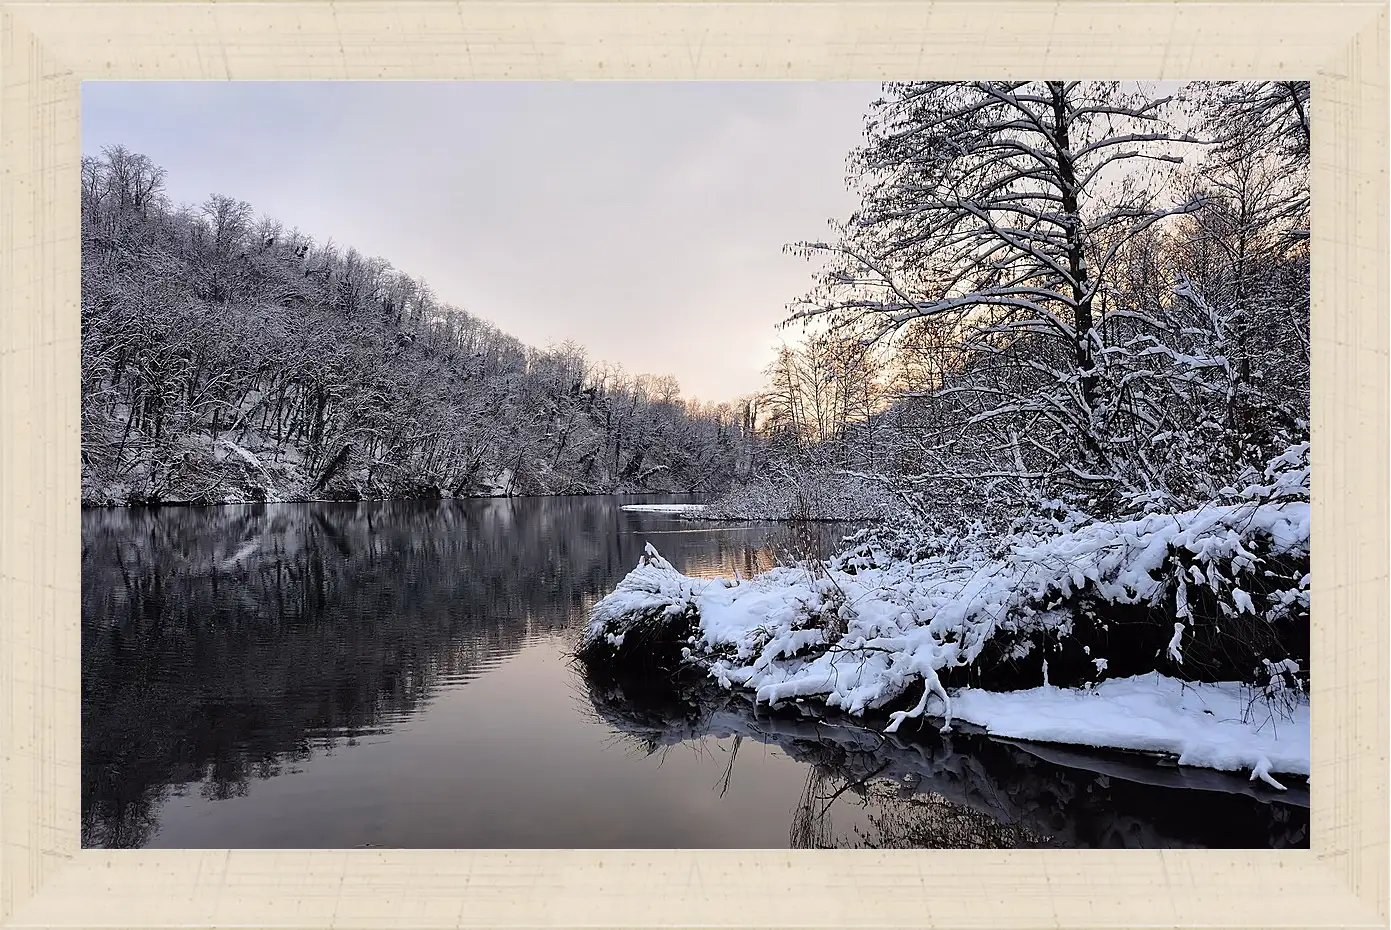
226,357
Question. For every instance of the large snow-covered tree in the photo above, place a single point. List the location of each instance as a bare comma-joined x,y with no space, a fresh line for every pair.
1000,211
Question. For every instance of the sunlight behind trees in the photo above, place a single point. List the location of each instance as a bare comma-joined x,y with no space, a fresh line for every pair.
1060,289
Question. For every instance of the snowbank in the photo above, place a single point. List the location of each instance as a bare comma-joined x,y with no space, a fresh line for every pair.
1220,726
858,633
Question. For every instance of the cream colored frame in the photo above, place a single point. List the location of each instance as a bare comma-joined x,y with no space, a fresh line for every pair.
46,49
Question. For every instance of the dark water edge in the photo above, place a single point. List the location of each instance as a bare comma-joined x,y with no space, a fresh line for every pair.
1001,792
396,674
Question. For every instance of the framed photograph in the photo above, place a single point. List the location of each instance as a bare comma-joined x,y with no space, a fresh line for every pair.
697,464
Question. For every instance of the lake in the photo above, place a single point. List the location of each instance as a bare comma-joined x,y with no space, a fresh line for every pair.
397,674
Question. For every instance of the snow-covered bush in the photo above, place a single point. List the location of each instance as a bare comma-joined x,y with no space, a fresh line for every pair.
805,494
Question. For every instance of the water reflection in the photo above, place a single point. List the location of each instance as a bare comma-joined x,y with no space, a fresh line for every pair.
225,645
962,790
328,675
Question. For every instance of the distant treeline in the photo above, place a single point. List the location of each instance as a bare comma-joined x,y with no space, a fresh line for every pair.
225,357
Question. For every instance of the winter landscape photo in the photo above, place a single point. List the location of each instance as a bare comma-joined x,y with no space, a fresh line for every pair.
695,465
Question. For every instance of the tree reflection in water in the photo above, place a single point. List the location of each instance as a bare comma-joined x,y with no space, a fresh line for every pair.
226,644
222,645
960,790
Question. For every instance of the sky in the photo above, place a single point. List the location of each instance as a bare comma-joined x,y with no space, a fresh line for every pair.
644,221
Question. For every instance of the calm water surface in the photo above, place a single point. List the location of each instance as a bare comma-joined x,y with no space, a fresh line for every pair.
396,675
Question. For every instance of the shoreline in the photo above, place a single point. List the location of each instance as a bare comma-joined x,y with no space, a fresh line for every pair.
116,505
1088,749
1183,633
1141,766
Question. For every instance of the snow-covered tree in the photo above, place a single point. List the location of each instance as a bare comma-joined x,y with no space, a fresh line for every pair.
1016,240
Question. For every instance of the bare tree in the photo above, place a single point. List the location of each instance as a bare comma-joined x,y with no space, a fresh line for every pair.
998,212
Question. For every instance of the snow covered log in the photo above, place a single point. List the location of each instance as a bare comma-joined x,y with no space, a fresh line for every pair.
643,624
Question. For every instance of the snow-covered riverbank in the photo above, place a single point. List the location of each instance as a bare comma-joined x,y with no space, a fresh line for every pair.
226,472
1111,607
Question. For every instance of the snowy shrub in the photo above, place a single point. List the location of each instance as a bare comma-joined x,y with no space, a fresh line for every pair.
1279,688
805,494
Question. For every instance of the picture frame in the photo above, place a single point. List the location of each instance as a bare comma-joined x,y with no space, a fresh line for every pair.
48,48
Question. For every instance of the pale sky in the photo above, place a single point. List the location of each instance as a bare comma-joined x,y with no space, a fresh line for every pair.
644,221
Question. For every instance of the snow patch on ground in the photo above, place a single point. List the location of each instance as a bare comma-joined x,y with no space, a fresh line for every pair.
1216,726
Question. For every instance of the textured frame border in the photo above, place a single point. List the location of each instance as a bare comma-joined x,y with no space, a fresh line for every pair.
47,48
